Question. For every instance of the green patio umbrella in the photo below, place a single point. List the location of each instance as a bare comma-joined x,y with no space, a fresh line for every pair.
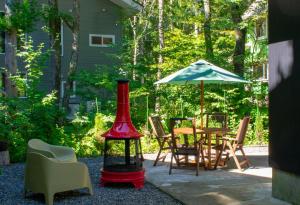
202,72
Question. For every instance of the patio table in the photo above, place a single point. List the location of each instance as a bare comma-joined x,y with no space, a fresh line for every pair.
209,132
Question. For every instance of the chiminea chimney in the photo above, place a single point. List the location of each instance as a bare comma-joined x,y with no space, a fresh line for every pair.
122,127
123,166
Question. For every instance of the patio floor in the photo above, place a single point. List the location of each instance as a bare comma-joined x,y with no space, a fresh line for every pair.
222,186
218,187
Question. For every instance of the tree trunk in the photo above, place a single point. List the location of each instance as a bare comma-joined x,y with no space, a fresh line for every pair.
10,88
54,27
240,40
207,30
161,46
171,22
197,13
73,63
135,46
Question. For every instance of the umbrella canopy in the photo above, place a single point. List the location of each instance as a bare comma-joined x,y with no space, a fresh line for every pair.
202,72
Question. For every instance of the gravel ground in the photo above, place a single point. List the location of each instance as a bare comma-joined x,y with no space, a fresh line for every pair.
11,190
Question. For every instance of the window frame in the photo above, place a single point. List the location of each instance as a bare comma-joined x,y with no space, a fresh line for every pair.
265,72
113,37
62,89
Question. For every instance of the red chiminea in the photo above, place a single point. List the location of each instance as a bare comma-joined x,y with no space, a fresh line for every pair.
125,167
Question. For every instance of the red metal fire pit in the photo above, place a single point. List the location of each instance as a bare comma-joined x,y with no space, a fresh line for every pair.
127,166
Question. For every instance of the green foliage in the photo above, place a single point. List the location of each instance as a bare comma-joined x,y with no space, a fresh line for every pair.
182,46
39,116
24,15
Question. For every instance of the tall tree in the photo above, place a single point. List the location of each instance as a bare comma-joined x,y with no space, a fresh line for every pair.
20,17
161,46
74,25
10,53
140,28
237,10
207,29
135,45
54,21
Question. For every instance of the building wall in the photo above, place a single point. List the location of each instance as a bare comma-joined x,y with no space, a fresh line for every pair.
97,17
284,89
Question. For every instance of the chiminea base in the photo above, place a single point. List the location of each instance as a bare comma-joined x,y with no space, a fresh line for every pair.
136,178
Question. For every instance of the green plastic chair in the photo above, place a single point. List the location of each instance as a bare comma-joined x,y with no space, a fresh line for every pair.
49,175
62,153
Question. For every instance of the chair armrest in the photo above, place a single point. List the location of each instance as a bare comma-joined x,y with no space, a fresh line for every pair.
64,153
43,174
182,118
167,136
228,138
67,175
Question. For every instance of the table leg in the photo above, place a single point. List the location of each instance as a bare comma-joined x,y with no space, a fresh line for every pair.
186,142
209,151
217,143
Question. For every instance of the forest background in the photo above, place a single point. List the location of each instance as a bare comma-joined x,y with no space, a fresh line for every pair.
165,36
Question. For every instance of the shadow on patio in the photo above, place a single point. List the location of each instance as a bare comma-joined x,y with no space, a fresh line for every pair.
222,186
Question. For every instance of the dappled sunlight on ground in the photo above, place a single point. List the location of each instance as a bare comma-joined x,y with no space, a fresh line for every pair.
222,186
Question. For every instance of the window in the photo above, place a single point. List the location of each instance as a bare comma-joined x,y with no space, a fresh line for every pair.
99,40
261,72
261,29
63,88
2,37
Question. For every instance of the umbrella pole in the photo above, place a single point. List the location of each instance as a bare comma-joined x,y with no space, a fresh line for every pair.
201,102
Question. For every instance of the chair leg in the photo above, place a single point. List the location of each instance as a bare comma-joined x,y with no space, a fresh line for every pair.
157,157
161,147
49,198
219,158
203,157
244,156
197,163
171,164
90,187
234,157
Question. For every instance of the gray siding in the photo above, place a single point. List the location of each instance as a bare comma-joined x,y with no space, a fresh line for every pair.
2,63
93,21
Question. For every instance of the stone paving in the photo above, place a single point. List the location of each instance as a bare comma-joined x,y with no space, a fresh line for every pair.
219,187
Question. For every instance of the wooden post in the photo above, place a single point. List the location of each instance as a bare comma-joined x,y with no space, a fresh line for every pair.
201,102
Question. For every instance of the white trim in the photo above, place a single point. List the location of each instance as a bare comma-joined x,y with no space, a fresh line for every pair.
265,73
103,36
74,90
62,89
128,5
